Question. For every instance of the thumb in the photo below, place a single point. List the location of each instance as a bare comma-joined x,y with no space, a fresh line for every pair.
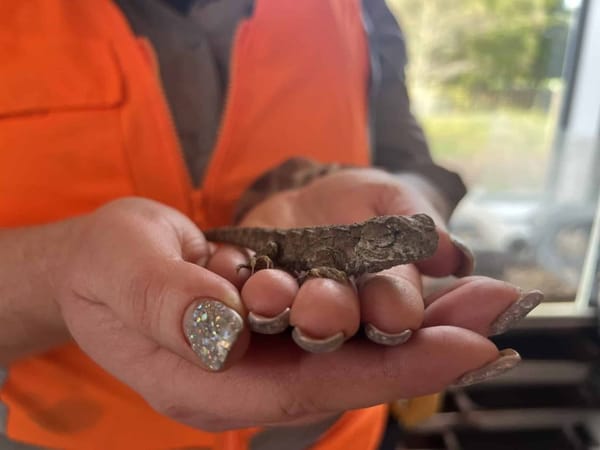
189,310
138,258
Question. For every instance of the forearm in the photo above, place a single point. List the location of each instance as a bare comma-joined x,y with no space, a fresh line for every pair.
30,319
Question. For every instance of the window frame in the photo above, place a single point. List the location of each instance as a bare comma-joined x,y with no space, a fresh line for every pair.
579,122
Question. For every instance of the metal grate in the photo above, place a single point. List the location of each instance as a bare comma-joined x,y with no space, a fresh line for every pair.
550,402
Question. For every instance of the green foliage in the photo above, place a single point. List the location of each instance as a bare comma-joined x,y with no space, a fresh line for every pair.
483,52
498,150
460,136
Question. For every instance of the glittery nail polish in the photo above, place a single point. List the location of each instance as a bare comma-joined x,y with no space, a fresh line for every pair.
507,360
269,325
516,312
212,328
316,345
383,338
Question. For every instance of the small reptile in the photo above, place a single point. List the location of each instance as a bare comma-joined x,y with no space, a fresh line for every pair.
336,251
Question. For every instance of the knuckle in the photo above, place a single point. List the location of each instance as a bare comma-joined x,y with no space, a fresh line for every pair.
130,214
294,404
146,296
191,415
479,285
167,398
391,366
174,410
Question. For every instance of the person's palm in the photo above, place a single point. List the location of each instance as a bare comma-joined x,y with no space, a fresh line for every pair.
446,333
130,282
347,196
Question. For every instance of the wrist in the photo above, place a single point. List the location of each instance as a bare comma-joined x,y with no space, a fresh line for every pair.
56,244
30,316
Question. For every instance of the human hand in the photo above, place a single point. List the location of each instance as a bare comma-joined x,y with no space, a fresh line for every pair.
128,282
130,273
390,303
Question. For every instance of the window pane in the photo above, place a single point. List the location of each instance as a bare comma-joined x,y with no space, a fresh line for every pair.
491,83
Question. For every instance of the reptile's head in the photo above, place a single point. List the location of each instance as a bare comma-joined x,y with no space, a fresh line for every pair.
389,241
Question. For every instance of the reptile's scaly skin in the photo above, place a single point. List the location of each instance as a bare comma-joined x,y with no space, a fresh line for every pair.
366,247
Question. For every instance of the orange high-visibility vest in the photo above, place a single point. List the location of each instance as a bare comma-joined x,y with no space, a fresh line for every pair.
83,121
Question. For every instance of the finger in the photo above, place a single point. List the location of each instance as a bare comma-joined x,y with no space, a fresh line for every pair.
180,238
324,314
268,296
477,281
194,247
483,305
452,257
280,383
391,304
144,276
280,387
226,262
138,361
186,308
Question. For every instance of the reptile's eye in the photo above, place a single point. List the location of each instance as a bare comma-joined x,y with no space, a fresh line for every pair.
385,239
378,235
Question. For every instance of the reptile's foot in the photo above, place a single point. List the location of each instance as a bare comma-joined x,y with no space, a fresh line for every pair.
243,266
257,263
325,272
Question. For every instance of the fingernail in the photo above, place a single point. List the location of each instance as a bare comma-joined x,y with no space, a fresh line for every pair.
516,312
315,345
269,325
212,328
383,338
467,259
507,360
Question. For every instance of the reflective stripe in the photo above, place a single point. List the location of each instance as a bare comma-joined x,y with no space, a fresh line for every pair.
5,442
3,408
291,438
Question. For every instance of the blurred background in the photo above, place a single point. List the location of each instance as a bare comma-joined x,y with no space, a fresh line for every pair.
508,92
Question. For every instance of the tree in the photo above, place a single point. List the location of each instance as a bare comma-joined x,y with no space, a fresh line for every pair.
479,51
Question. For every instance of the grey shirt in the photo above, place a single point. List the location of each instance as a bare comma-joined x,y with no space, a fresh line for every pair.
193,40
